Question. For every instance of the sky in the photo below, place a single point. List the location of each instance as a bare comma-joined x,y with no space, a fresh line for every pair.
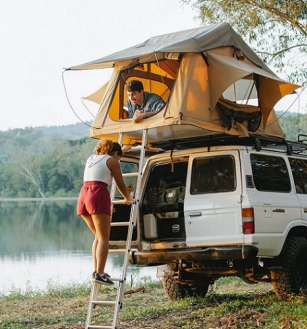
39,38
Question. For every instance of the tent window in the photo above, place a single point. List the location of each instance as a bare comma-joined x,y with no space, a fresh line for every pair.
151,82
155,79
242,91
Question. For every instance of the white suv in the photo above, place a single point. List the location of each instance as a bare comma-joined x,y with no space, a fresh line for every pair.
222,207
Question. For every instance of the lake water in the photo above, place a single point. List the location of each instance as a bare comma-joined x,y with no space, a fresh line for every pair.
45,244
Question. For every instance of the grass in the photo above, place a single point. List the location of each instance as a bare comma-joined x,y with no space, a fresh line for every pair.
229,304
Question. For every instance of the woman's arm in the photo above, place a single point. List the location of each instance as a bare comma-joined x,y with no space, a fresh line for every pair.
114,167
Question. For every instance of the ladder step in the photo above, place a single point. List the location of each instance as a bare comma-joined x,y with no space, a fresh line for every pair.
130,174
120,224
104,302
120,251
118,201
99,327
108,285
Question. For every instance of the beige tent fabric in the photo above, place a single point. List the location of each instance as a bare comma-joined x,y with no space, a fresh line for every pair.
271,88
194,68
97,96
192,102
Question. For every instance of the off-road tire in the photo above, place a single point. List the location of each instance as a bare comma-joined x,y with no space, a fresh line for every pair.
292,278
175,290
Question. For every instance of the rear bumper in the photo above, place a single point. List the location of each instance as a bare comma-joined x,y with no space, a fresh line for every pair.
207,254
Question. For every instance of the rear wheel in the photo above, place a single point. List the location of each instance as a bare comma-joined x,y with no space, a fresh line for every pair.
175,290
292,279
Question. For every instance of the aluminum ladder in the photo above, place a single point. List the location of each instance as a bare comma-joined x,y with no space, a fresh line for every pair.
118,303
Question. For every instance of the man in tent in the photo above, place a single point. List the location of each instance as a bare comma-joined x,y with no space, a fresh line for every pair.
142,104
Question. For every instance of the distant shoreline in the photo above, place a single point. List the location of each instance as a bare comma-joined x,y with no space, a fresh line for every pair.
39,199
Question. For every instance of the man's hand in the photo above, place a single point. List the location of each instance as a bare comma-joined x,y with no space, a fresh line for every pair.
126,148
138,116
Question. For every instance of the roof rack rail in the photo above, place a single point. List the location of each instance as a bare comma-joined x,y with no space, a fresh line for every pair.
289,147
301,138
258,142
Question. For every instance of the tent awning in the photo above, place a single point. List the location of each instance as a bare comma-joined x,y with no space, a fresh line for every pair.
189,41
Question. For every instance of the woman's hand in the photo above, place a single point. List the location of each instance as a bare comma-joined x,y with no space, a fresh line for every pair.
128,201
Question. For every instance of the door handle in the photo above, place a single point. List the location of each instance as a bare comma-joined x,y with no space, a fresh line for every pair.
195,214
279,210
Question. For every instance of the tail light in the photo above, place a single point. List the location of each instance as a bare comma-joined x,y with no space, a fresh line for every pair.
248,220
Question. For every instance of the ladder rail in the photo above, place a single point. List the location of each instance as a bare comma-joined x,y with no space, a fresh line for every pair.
132,224
94,294
113,187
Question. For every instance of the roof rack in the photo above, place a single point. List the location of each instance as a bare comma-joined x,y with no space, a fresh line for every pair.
301,138
258,142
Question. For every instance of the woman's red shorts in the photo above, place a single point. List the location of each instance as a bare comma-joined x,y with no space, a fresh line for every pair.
94,198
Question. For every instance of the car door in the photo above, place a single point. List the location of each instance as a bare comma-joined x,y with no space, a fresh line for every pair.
275,203
299,173
212,207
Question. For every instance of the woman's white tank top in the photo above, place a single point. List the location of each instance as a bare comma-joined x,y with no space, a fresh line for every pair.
96,169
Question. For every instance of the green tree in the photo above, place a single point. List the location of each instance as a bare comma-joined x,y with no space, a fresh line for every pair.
275,29
30,168
35,165
292,124
6,182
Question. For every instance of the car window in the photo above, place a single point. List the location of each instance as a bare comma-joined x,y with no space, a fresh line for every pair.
270,173
213,175
299,172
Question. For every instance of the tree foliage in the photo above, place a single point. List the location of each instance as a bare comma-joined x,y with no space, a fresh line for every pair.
35,165
275,29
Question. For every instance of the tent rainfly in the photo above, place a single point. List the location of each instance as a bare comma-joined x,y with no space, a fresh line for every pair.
211,80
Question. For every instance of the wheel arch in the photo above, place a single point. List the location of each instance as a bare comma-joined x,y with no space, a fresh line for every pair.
296,231
299,231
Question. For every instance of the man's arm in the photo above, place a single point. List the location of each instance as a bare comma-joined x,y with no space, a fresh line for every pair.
140,115
156,104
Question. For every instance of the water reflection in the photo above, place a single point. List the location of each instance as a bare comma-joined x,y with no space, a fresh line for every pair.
45,242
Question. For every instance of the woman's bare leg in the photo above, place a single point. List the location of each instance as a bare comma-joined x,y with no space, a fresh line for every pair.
89,222
102,227
94,248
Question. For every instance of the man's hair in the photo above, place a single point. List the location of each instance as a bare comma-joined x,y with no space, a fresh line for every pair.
134,85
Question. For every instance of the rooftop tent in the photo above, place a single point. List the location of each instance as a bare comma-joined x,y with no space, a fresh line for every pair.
195,71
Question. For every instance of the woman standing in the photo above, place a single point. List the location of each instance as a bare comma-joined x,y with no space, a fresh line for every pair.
94,203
